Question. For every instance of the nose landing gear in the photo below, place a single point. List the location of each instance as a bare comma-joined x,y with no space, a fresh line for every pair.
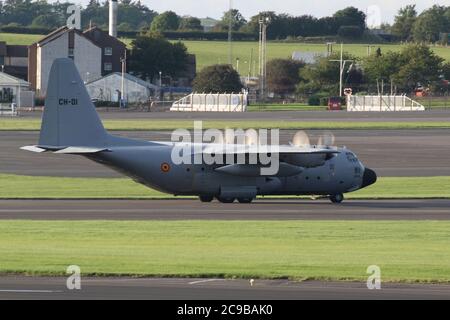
337,198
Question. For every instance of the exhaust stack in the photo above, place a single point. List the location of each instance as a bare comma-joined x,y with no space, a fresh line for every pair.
113,8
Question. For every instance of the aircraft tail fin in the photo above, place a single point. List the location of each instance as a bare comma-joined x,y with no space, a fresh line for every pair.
70,118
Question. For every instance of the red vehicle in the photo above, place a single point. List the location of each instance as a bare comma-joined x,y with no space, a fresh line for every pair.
335,103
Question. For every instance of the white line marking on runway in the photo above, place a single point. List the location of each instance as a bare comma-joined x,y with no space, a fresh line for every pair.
204,281
31,291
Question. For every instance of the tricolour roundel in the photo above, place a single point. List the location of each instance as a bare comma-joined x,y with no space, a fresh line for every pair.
165,167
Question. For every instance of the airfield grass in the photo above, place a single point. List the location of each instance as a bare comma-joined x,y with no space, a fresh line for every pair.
26,124
31,187
407,251
213,52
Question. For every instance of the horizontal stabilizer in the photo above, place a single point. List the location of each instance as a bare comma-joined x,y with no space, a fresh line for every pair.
68,150
80,150
34,149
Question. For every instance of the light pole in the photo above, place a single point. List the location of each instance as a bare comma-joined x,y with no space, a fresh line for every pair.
230,33
342,64
160,86
263,23
123,60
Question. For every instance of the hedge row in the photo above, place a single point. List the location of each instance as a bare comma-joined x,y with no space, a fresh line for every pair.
172,35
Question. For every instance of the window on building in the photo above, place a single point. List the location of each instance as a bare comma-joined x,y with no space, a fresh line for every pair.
108,66
71,53
108,51
2,60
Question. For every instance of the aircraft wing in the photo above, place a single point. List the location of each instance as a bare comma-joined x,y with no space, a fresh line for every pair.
264,149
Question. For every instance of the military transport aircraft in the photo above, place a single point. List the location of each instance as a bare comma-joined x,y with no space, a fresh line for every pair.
71,125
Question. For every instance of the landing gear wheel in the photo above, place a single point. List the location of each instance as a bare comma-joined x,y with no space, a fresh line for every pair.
226,200
245,200
337,198
206,198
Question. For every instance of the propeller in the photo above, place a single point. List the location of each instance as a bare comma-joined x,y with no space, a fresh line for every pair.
251,137
327,139
301,139
229,136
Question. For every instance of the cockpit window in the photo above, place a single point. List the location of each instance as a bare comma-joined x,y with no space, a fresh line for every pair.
351,157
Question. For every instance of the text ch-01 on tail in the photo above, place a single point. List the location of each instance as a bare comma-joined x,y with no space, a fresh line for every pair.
71,125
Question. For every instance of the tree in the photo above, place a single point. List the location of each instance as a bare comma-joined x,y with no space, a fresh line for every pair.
386,66
275,29
431,23
420,65
412,65
48,21
323,75
446,71
167,21
283,75
351,16
236,18
151,54
404,22
218,79
190,23
124,27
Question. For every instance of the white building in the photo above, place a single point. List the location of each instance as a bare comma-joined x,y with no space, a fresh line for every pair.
109,88
63,43
308,57
15,90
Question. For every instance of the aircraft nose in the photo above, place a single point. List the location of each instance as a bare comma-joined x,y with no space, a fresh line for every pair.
369,178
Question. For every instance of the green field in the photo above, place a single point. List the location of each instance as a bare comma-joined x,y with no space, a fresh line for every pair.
26,124
213,52
27,187
340,250
209,53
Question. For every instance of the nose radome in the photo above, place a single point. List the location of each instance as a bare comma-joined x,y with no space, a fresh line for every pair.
369,178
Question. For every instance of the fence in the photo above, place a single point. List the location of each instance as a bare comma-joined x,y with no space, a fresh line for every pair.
382,103
8,109
212,102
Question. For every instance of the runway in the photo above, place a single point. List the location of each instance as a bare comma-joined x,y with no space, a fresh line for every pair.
388,152
430,115
195,210
12,287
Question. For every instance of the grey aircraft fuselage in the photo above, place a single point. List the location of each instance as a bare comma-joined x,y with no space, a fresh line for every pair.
144,162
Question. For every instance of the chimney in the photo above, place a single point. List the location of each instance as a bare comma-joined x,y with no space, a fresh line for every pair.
113,18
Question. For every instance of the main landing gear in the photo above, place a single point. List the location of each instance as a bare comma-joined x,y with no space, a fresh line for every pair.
337,198
206,198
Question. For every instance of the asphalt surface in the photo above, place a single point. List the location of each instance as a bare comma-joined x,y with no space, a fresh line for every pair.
431,115
388,152
193,209
209,289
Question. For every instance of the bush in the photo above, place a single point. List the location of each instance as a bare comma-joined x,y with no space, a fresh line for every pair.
221,78
314,100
